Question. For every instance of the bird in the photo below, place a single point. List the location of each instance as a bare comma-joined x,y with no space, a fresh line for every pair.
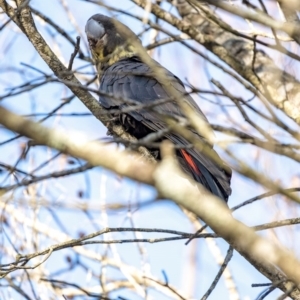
128,88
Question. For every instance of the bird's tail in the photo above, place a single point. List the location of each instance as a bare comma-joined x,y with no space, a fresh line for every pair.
200,174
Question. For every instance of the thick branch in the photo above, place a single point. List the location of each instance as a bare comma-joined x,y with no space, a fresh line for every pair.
26,23
282,89
94,152
171,184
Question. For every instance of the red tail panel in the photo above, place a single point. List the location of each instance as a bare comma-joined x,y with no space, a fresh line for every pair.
189,159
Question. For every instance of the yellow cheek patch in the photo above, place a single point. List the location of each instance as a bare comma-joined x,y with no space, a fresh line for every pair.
97,54
108,60
120,53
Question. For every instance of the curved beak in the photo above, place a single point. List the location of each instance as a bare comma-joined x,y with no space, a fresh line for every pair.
94,32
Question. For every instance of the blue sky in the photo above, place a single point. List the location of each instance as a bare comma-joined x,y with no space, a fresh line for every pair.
172,257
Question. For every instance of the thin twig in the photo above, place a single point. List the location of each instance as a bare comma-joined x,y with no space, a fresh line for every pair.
73,55
218,276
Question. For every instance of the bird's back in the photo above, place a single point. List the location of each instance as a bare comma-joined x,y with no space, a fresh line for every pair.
130,80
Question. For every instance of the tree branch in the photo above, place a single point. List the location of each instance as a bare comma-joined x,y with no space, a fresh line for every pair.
170,183
279,87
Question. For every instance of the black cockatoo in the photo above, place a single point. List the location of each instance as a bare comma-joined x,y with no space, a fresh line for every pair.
123,75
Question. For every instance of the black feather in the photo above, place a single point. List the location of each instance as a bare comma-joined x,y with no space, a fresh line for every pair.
131,79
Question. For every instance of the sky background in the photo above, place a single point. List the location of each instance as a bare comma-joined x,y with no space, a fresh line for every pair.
184,265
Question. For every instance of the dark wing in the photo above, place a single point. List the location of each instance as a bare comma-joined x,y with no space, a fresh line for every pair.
131,79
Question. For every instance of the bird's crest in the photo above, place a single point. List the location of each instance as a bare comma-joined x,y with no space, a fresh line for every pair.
109,41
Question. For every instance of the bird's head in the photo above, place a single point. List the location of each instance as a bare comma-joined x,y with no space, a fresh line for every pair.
109,40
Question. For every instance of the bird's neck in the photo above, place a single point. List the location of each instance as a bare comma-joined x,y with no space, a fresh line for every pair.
105,61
